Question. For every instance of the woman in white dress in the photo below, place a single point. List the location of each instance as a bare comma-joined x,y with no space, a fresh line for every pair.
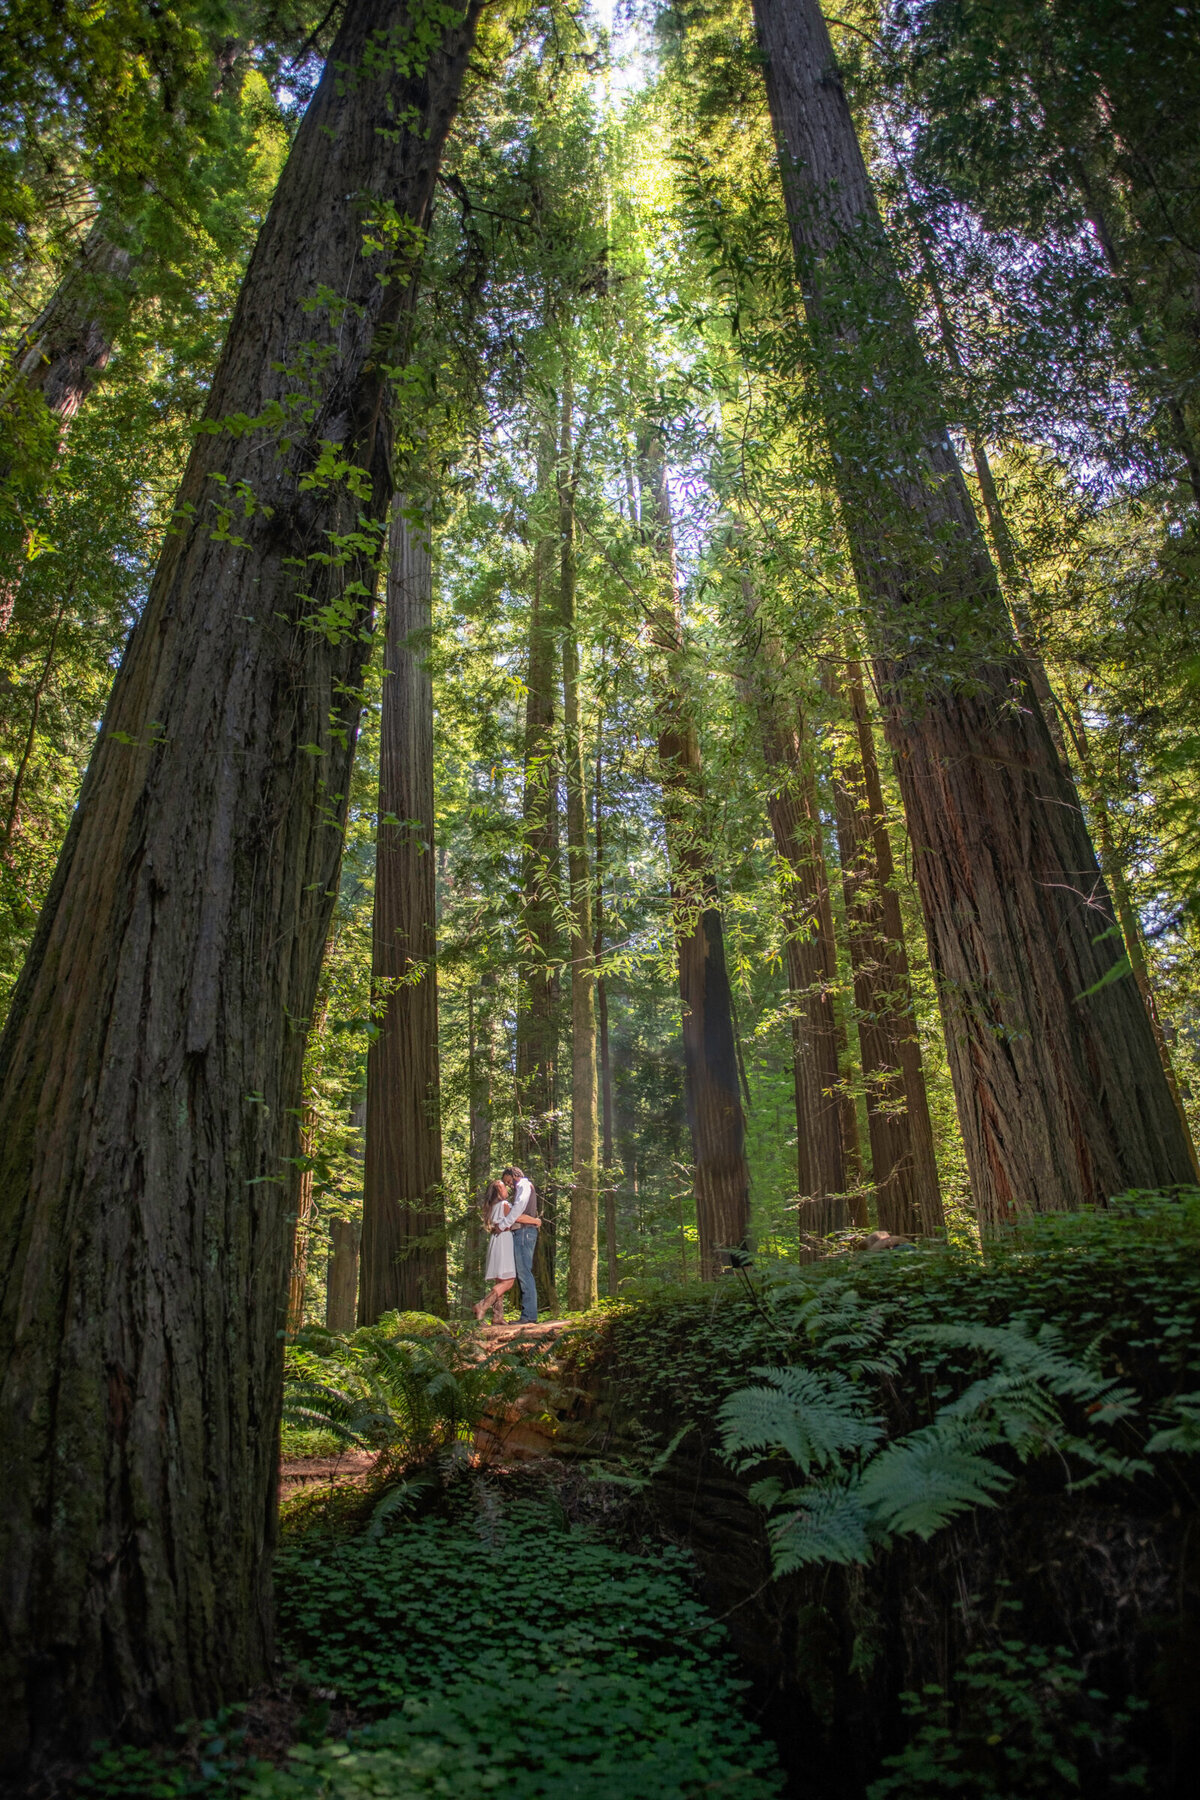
501,1267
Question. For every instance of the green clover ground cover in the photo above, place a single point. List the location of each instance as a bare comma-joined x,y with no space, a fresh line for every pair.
505,1648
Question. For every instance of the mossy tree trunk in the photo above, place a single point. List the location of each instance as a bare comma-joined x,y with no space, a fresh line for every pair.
403,1255
1060,1091
150,1069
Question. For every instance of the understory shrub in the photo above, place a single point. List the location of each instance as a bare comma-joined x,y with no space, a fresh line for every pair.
1021,1722
403,1389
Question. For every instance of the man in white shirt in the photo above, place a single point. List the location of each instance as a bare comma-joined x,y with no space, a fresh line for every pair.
524,1217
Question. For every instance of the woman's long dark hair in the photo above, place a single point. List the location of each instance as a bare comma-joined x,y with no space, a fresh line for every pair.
495,1193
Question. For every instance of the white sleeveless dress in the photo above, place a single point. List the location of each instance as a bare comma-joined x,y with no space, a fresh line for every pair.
500,1263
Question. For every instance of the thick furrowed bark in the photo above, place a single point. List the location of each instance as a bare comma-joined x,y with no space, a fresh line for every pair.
150,1071
711,1077
1060,1091
403,1255
904,1167
71,340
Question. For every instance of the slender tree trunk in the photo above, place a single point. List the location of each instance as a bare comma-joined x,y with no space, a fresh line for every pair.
903,1163
606,1094
537,1110
298,1273
481,1049
341,1277
711,1079
150,1068
35,714
811,954
404,1225
298,1269
581,1273
1060,1090
341,1290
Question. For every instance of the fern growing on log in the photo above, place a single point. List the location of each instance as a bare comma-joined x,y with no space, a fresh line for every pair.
856,1497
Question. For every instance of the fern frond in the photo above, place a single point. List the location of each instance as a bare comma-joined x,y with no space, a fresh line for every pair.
922,1481
814,1418
1181,1433
822,1523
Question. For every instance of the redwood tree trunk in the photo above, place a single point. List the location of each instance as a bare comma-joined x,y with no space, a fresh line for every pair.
298,1272
811,953
582,1270
57,360
606,1089
711,1077
1060,1091
150,1070
403,1257
481,1036
536,1136
903,1164
341,1274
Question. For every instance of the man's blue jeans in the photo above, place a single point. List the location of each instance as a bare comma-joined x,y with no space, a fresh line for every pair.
524,1239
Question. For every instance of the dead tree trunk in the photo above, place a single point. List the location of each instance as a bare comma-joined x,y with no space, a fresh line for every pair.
535,1147
1061,1094
711,1078
581,1271
150,1069
403,1256
903,1163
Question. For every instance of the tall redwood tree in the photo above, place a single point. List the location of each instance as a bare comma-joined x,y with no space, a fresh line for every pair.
1060,1091
150,1070
712,1083
403,1255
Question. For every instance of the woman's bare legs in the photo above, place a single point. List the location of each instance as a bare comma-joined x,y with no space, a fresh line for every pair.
494,1300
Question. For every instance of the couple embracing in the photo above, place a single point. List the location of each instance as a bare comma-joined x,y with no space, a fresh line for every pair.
511,1216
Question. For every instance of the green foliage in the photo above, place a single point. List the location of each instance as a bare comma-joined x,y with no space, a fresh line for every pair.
608,1680
1020,1721
406,1389
919,1481
210,1762
906,1389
